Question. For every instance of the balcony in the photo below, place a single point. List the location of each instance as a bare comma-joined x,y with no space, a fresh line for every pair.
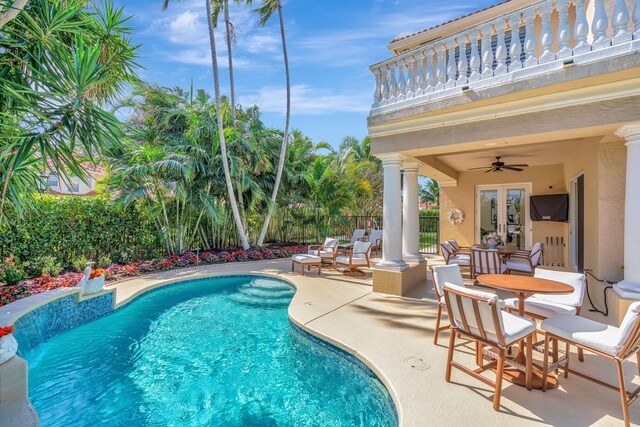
552,35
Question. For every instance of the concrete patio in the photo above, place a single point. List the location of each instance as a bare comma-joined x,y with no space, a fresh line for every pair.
393,336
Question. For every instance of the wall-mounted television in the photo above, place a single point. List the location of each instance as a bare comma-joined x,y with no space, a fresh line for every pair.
550,207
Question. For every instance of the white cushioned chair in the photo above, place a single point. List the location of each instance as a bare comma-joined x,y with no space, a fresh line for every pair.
441,274
357,258
375,237
327,251
477,315
357,236
486,261
451,257
456,247
543,306
616,344
525,262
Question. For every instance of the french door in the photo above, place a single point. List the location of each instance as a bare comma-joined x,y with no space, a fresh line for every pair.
504,209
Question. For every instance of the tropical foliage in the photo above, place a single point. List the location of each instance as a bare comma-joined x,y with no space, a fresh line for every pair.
61,63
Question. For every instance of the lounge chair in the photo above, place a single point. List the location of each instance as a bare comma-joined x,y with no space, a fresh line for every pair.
327,251
441,274
486,261
375,237
457,248
357,258
451,257
358,236
525,263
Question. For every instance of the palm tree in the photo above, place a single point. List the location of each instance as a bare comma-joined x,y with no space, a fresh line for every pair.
10,12
212,18
430,192
230,36
266,11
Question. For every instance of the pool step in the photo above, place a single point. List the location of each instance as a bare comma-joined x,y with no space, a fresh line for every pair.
264,293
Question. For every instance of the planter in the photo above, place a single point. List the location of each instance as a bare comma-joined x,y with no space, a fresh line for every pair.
91,286
8,348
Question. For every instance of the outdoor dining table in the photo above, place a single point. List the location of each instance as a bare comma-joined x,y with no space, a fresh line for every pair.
523,287
503,251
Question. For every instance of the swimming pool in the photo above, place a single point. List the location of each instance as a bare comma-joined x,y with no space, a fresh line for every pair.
219,351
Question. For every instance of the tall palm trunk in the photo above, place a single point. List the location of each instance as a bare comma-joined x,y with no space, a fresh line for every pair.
12,11
223,144
229,29
285,137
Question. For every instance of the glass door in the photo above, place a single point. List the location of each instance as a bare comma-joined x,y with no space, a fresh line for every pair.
504,209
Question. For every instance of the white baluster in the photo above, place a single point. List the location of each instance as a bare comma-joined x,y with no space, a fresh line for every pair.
474,58
393,84
564,32
599,26
529,39
385,85
411,77
620,22
463,65
440,69
581,30
431,73
501,49
402,82
420,73
636,21
516,47
377,95
487,52
546,36
452,67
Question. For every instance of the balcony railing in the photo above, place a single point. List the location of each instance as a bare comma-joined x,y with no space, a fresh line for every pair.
546,38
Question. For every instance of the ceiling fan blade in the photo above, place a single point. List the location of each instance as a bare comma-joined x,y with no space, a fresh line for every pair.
492,170
511,168
519,165
477,169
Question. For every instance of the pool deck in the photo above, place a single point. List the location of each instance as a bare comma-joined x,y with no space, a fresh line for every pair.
394,337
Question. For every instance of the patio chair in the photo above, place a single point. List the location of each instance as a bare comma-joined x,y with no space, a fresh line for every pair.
375,237
358,236
543,306
486,261
327,251
523,262
441,274
457,248
476,315
615,344
357,258
451,257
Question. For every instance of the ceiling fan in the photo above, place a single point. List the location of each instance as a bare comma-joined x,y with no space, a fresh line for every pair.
499,166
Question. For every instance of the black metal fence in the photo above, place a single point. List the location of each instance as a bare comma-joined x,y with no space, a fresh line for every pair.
302,225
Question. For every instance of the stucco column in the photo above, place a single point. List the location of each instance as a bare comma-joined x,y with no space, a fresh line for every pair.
630,287
410,214
392,214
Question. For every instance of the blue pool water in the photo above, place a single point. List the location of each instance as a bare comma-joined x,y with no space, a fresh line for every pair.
203,353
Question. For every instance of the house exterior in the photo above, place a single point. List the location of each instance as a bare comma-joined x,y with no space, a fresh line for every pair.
54,183
553,84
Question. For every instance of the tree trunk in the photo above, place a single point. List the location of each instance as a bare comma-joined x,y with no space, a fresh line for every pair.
285,137
8,15
223,144
227,24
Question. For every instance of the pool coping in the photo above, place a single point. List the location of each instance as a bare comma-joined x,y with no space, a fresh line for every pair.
10,313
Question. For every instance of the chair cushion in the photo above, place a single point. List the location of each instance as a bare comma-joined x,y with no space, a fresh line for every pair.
323,254
447,274
306,258
460,259
330,244
516,327
501,303
629,321
575,280
519,264
541,307
343,259
587,332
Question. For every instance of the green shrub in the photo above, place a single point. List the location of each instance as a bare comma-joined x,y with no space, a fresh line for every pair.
10,272
104,261
430,212
80,263
43,265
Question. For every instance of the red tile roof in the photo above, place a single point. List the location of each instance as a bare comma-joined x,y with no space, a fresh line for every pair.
406,36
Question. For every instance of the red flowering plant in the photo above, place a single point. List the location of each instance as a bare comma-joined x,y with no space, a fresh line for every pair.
209,257
225,256
7,330
268,254
240,255
255,255
165,264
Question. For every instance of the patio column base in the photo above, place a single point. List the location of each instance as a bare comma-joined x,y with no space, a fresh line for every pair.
627,290
414,258
400,282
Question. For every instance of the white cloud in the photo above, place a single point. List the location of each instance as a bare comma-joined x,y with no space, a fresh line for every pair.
262,43
307,101
188,28
202,56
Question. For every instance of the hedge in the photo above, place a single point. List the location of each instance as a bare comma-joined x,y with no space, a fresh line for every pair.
69,228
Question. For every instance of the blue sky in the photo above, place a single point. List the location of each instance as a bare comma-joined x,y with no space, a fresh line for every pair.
331,45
